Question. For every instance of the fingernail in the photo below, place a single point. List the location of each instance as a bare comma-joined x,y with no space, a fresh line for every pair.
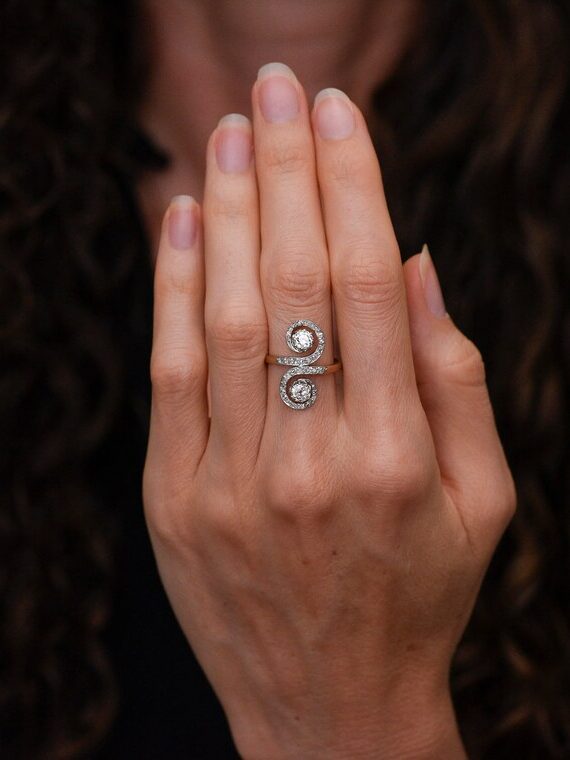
431,286
182,224
334,115
278,93
234,144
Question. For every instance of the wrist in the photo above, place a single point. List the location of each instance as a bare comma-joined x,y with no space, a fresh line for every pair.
409,727
418,728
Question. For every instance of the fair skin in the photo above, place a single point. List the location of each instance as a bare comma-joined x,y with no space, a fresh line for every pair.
323,563
205,55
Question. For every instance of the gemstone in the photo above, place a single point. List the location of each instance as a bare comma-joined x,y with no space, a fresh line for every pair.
300,390
302,339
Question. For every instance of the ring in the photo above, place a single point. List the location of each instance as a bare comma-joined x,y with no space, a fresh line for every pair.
301,336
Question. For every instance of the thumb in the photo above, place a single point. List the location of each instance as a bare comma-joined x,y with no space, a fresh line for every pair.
450,375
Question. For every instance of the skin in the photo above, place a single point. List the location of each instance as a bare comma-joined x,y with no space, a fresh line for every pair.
322,563
351,44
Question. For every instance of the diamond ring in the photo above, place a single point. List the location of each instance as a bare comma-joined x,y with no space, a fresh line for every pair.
296,391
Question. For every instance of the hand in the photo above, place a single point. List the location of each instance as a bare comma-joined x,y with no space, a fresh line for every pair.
322,563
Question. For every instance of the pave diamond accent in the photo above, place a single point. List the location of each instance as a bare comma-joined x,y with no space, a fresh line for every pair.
302,339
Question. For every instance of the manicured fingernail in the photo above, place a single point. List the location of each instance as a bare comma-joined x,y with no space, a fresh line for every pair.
234,144
182,223
278,93
431,286
333,114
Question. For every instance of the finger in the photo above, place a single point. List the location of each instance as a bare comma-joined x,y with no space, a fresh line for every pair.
451,381
236,326
295,277
366,269
179,418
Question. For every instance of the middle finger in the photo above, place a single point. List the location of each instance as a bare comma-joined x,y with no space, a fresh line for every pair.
294,264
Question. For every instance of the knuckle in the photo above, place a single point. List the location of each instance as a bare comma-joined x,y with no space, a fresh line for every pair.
350,171
298,496
493,503
343,169
368,282
228,207
465,364
176,281
286,158
166,520
222,519
298,280
399,476
178,373
226,525
166,526
236,332
413,482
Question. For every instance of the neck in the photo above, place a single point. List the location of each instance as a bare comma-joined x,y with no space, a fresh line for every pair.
205,55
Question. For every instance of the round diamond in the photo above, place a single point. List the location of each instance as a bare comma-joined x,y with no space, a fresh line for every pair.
301,390
302,339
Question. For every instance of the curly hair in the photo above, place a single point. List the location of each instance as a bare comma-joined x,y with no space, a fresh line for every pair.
472,134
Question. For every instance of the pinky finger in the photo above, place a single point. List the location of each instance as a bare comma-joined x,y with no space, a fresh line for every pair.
179,418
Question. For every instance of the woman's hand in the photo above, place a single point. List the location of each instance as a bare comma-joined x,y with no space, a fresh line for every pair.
323,563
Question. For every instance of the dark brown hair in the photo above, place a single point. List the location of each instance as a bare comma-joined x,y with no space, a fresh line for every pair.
472,134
